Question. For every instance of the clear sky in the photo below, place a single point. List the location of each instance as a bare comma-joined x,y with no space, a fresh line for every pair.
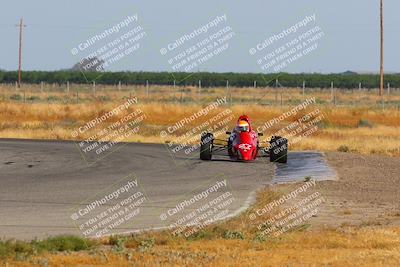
54,27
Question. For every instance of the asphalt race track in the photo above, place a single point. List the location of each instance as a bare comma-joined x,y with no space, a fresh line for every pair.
43,184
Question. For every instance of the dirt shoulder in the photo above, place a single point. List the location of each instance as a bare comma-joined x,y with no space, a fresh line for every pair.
367,192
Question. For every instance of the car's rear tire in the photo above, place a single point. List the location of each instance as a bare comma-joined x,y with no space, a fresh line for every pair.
278,149
206,144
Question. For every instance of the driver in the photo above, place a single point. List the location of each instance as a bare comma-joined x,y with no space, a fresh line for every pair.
242,126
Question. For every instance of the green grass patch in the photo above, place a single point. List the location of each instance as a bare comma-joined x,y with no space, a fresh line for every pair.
10,248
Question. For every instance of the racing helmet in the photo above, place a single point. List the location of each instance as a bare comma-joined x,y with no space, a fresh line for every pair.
242,126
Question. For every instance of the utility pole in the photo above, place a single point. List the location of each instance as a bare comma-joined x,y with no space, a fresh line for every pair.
381,67
20,25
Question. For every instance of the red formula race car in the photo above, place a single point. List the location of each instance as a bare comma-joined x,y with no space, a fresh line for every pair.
242,144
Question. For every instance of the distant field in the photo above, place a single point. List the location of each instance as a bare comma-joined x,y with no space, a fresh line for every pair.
354,120
280,96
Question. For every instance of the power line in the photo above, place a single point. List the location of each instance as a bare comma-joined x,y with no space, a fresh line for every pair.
381,65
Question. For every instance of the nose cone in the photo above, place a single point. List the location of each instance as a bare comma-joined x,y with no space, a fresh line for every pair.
245,151
246,148
245,155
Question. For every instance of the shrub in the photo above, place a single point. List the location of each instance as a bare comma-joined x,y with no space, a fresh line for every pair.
5,248
105,98
118,243
16,97
135,243
343,148
32,98
53,98
364,123
233,235
146,244
259,238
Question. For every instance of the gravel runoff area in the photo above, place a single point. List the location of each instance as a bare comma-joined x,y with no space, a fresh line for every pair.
366,192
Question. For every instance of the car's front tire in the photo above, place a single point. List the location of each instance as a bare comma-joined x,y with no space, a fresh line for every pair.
206,144
278,149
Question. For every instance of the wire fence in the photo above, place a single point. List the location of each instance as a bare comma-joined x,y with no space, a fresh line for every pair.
69,93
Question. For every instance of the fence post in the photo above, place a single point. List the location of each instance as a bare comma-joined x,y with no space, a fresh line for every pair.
67,86
16,86
332,94
199,86
181,95
255,84
94,88
77,97
41,87
24,95
229,90
147,88
304,88
388,85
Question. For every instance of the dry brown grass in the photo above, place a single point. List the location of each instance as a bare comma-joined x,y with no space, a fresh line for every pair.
366,247
359,128
345,246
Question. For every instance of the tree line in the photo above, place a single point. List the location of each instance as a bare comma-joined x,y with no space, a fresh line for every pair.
208,79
